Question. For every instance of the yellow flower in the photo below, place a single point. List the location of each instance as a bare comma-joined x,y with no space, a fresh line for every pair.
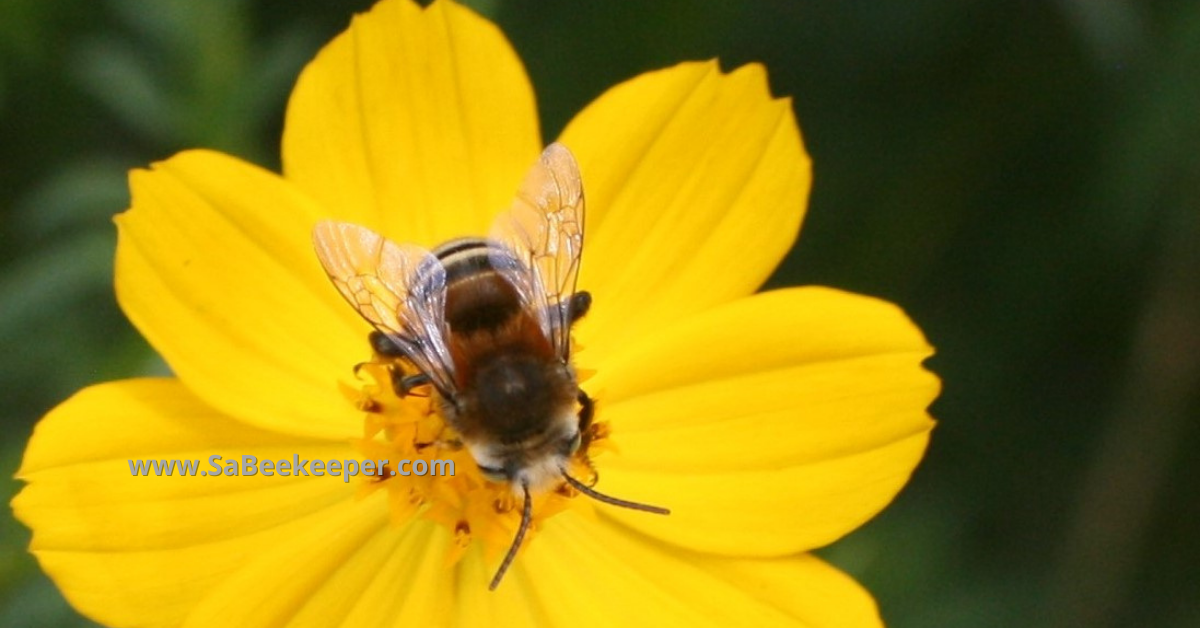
769,424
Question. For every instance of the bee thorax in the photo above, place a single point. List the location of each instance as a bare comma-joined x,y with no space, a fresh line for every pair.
517,396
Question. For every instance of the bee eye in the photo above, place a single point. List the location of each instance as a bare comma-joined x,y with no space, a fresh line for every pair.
495,474
574,443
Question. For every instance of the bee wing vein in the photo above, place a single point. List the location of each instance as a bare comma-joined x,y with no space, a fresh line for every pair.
542,234
398,288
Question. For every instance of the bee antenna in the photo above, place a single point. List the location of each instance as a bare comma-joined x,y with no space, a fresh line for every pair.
526,517
601,497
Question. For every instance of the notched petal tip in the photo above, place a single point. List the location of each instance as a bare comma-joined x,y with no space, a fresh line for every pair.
710,178
814,397
417,122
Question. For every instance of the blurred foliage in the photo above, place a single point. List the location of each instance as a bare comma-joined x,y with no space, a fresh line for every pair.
1020,176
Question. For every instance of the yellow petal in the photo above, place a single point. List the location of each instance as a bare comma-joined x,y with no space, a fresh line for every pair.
589,573
771,330
215,267
416,122
766,513
696,183
145,550
349,569
769,426
512,604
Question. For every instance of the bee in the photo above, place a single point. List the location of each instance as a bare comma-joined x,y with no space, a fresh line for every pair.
486,322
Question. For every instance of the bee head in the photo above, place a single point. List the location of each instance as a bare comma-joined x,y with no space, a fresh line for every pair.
535,463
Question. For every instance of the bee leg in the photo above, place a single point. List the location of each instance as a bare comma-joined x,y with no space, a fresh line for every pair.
587,462
578,306
403,384
382,344
587,410
408,382
453,444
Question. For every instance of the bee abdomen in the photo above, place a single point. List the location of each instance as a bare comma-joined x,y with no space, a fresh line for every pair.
478,298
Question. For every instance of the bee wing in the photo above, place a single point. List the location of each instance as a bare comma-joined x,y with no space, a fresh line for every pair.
398,288
542,236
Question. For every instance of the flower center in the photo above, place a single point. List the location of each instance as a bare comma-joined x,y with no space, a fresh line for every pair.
412,436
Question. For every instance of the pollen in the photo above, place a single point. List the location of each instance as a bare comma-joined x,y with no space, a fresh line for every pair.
473,508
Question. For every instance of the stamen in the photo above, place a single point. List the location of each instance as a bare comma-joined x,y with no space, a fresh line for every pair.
526,516
400,423
601,497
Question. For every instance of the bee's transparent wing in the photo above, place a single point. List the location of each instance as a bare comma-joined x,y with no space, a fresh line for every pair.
398,288
542,238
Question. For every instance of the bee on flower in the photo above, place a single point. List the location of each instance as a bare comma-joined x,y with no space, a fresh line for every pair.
770,424
487,324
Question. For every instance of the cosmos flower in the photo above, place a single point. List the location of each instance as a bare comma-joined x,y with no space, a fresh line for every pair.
770,424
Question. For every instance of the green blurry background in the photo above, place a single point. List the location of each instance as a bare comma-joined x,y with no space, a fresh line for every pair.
1022,177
